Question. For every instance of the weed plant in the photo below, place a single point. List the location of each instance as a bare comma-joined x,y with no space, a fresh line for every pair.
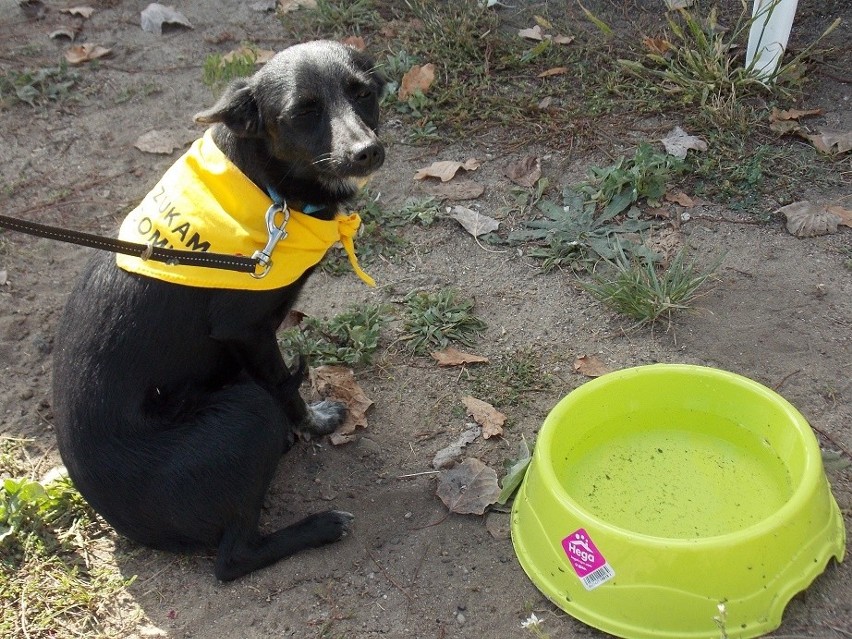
219,71
435,320
647,293
38,87
50,584
349,339
510,379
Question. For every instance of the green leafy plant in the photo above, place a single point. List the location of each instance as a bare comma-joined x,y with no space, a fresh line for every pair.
350,338
645,175
575,235
40,86
646,293
434,320
515,471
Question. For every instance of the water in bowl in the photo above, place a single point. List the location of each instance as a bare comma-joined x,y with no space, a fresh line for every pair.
694,476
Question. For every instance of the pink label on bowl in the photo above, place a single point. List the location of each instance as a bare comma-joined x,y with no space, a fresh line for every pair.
586,559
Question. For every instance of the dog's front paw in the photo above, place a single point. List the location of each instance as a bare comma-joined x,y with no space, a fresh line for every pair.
329,526
324,417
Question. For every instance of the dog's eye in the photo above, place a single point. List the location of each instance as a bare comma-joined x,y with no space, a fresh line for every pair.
363,92
306,109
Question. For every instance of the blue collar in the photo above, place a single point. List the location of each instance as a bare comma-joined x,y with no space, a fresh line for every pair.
306,208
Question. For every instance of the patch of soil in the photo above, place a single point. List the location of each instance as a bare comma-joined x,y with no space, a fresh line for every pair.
780,313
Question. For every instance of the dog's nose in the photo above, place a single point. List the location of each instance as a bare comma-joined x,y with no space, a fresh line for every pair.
368,157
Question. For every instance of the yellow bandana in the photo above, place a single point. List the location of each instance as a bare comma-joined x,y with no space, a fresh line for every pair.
205,203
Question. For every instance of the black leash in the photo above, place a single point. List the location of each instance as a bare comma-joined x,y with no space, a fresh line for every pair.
143,251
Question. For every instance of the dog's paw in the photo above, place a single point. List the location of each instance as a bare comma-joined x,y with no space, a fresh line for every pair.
330,526
324,417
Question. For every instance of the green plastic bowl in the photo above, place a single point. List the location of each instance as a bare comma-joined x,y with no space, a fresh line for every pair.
671,501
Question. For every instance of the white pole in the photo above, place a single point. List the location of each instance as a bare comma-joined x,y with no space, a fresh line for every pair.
767,39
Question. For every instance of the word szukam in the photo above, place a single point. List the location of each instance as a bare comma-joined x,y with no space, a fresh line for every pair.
170,227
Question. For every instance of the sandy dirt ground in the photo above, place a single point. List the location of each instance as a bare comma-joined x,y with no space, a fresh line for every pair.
780,312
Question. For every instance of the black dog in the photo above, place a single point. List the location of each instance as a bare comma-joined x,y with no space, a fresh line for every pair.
173,404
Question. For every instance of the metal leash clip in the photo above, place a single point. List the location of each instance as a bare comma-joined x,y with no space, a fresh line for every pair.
277,232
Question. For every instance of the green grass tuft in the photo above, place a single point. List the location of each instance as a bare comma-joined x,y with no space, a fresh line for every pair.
647,293
435,320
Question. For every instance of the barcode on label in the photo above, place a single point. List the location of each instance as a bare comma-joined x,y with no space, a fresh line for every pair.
597,577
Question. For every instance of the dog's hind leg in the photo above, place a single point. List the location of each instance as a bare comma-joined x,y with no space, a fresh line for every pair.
240,554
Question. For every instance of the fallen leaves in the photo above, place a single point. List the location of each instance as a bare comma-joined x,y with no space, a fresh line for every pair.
808,219
525,172
469,488
155,15
537,33
473,222
446,170
678,143
485,415
260,56
453,357
338,383
590,366
448,455
80,53
417,78
827,141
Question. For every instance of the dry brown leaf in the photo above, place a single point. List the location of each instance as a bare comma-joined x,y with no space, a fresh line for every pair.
563,39
446,170
807,219
553,71
293,318
338,383
469,488
261,56
448,455
453,357
657,45
845,215
83,12
679,197
678,142
356,42
784,126
534,33
590,366
474,222
456,190
525,172
80,53
417,78
826,142
485,415
779,115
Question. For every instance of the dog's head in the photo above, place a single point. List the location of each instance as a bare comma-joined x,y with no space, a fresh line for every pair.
313,112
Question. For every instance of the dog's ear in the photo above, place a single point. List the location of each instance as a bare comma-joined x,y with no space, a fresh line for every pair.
236,109
365,63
